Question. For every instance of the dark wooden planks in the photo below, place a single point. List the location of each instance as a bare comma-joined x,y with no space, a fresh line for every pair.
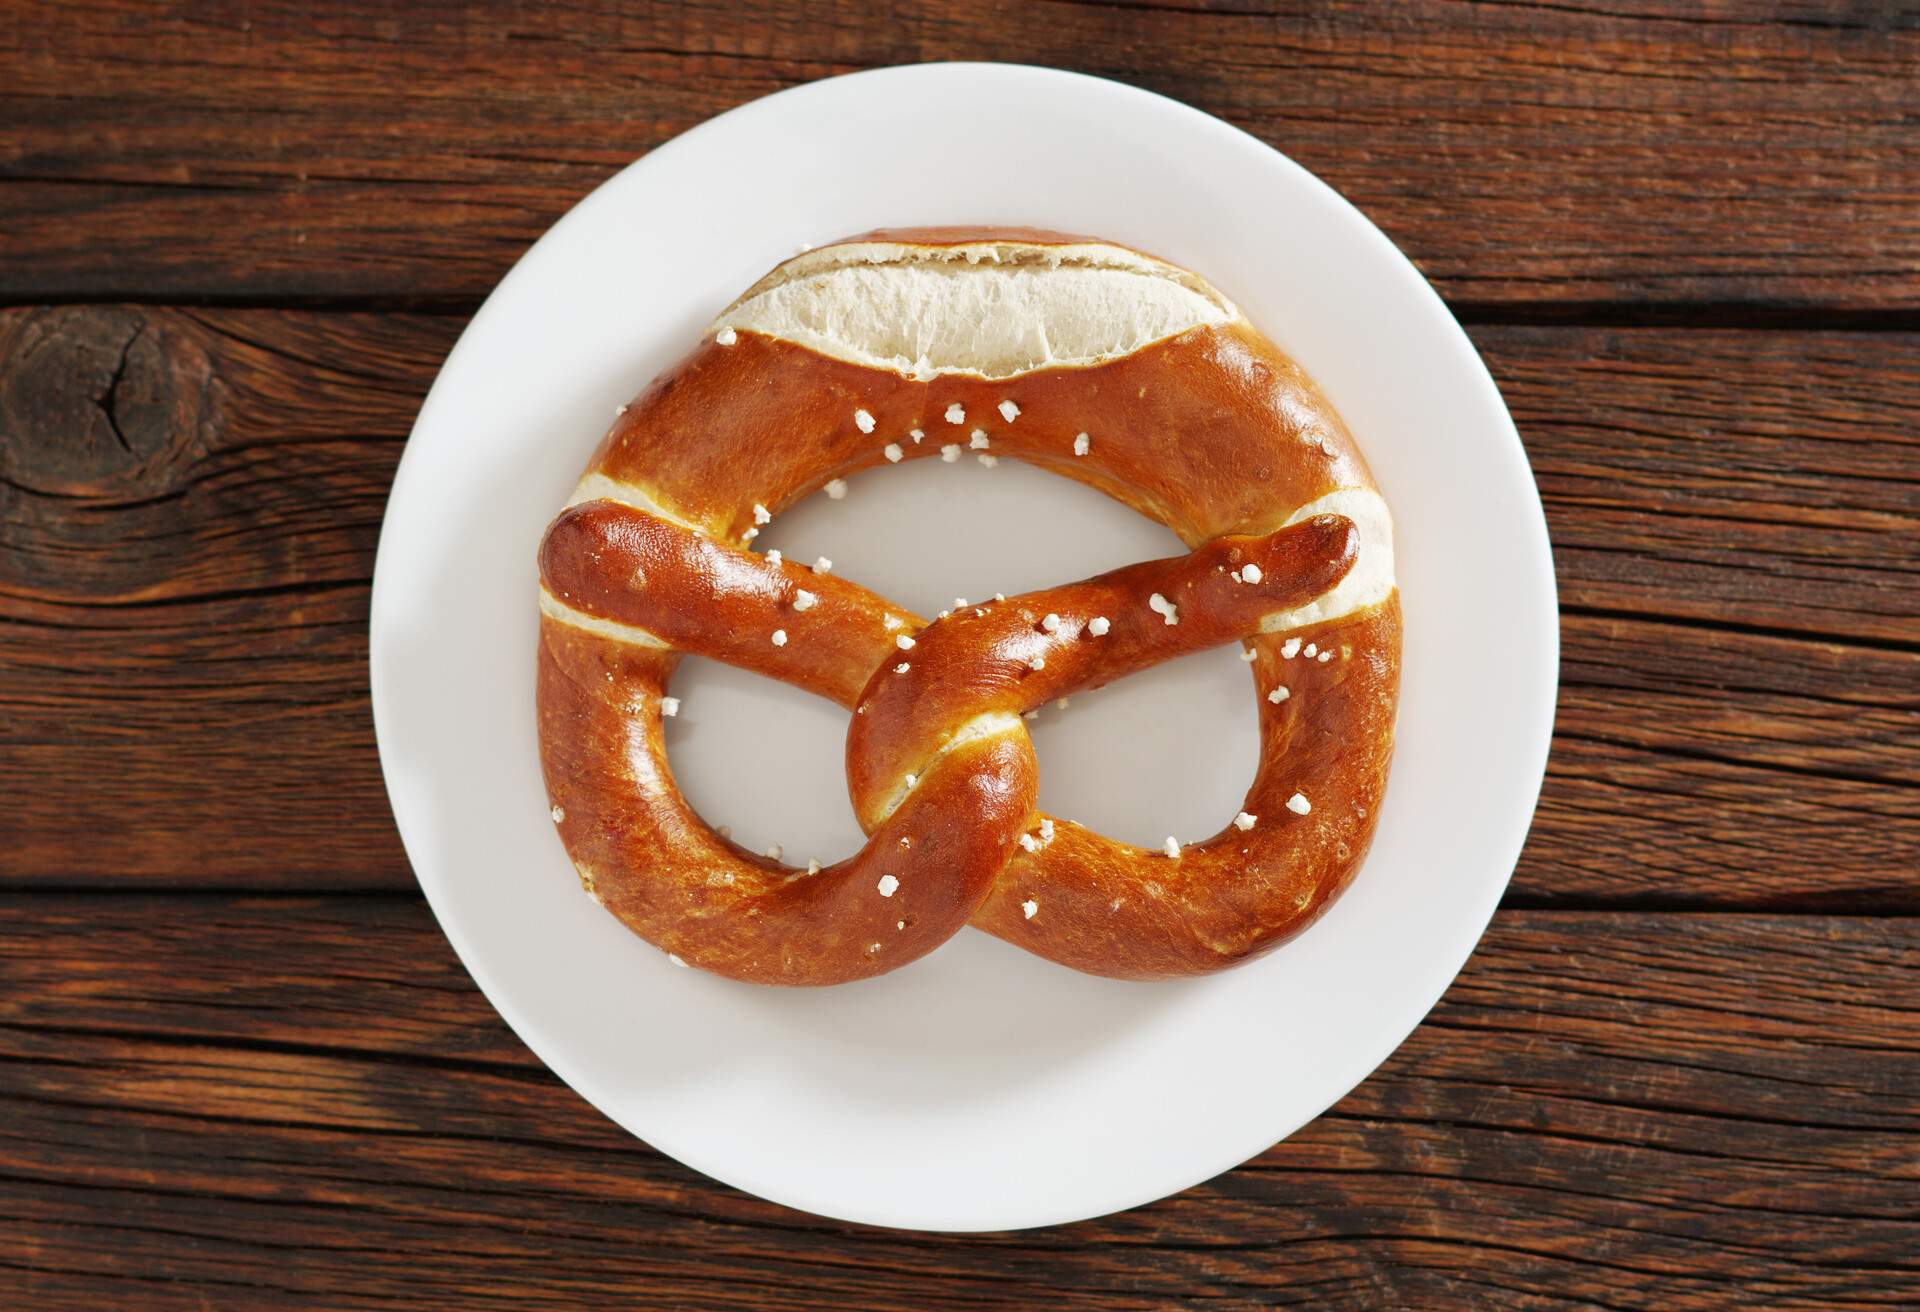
189,502
1759,479
303,1104
1563,154
1693,768
240,754
187,524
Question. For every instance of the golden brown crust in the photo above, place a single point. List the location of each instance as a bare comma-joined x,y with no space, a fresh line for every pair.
1215,433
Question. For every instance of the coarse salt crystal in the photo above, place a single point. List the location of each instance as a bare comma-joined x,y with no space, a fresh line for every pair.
887,885
1030,907
558,813
1249,654
675,959
803,600
761,515
837,488
1311,651
1029,842
813,867
916,435
1172,847
1046,829
774,557
1279,695
863,421
669,706
775,852
1051,623
1298,804
912,779
1325,656
1037,663
1009,411
1081,445
902,668
1250,574
1099,625
989,461
821,565
950,452
1289,649
1244,821
1164,607
979,440
726,336
956,414
892,452
779,637
903,642
750,535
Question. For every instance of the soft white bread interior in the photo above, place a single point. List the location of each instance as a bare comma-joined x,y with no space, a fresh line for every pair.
990,309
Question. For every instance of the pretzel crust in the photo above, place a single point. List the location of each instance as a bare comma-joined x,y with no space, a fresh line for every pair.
1213,432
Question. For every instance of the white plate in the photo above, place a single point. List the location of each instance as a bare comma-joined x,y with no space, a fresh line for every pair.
980,1088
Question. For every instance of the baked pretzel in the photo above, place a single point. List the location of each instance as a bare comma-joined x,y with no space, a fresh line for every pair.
1083,358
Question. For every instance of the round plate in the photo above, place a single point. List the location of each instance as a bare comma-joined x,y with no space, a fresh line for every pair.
980,1088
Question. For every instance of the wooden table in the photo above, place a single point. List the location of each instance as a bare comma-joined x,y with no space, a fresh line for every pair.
239,1065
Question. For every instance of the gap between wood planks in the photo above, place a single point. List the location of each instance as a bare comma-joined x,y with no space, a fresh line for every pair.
1737,316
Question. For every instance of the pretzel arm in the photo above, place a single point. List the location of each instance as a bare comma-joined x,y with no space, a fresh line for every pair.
691,592
1004,658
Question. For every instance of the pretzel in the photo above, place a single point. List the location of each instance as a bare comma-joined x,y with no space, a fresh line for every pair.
1080,357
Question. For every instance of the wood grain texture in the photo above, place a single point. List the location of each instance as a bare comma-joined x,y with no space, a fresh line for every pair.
189,502
1737,155
299,1104
1651,1088
187,524
1756,480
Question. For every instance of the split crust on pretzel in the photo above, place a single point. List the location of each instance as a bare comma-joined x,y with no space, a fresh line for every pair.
1075,355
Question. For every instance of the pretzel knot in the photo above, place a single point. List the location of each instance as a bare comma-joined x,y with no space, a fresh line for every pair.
651,559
